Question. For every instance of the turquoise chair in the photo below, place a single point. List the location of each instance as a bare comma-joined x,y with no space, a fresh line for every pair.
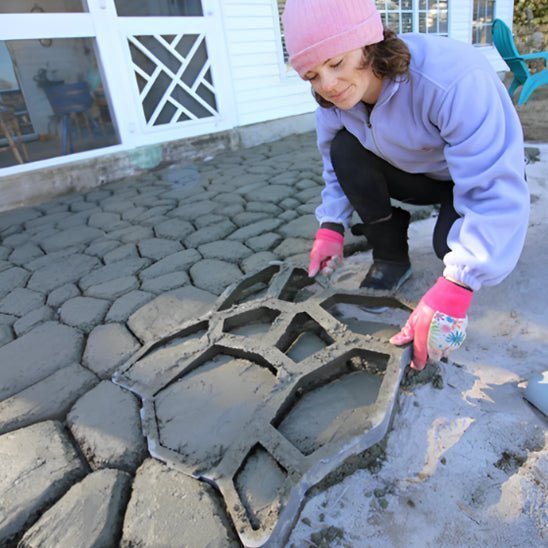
504,42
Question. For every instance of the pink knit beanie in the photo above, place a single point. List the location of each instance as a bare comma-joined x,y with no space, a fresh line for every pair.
316,30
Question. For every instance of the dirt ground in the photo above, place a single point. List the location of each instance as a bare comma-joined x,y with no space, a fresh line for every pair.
534,115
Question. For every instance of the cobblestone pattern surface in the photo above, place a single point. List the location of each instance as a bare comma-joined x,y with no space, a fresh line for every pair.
89,278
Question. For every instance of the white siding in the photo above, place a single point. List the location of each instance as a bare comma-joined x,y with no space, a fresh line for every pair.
460,19
263,87
504,9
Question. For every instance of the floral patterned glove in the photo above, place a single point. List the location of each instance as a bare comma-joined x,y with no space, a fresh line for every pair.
438,324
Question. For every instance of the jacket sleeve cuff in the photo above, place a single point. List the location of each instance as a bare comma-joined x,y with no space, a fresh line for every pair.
336,227
463,276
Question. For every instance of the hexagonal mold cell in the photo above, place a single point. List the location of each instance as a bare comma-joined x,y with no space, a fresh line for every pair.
201,413
252,323
380,317
260,486
331,404
303,337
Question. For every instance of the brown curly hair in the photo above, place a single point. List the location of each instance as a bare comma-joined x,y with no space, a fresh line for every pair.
389,58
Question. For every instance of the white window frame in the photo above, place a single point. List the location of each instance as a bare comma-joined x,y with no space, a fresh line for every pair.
476,28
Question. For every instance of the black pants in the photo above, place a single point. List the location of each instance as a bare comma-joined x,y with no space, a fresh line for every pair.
369,182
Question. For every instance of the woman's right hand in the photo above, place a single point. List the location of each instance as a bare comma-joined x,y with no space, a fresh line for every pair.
326,251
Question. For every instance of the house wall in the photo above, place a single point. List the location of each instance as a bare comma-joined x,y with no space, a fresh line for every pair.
460,17
264,89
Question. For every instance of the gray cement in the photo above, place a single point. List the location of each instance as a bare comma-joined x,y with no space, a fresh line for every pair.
168,508
50,398
268,385
88,516
105,423
97,280
38,465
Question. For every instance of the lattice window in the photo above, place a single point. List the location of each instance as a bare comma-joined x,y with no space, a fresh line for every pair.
173,73
482,21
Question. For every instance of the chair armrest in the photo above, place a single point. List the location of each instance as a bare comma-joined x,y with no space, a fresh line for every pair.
538,55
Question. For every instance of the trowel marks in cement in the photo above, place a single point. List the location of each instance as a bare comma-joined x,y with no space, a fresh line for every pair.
329,413
259,484
277,393
204,412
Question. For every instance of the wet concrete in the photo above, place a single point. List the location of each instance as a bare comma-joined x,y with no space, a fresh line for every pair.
132,277
268,393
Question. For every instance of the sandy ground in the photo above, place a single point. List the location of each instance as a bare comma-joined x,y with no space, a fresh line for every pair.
467,464
534,114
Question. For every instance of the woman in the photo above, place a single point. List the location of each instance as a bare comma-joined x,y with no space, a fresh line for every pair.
423,120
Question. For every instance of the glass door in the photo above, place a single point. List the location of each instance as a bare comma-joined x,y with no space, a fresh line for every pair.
12,99
51,85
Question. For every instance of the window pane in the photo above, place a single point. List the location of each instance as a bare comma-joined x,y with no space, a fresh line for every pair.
281,7
407,22
432,24
394,21
444,27
43,6
483,15
142,8
53,98
422,22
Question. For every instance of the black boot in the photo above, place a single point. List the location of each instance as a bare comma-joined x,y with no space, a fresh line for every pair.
391,266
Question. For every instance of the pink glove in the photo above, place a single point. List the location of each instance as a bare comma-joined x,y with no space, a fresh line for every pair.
438,324
328,245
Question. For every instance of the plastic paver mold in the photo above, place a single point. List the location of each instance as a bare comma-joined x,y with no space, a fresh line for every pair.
270,392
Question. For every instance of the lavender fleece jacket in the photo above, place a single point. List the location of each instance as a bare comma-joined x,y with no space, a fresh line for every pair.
452,120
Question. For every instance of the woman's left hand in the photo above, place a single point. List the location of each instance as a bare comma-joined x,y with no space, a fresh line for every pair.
437,326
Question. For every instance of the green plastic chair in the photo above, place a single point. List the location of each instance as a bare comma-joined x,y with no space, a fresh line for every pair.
504,42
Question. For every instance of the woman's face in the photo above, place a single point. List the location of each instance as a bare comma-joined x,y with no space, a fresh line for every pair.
341,80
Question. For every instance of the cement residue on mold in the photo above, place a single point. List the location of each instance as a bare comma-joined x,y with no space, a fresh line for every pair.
229,408
205,411
259,484
331,412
